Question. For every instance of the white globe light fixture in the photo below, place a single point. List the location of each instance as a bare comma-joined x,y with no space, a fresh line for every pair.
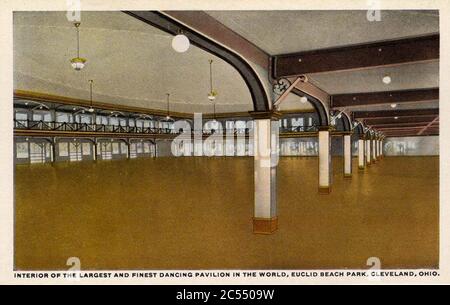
393,105
303,99
180,43
387,79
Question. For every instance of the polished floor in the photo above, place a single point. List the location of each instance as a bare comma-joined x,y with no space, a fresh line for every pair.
195,213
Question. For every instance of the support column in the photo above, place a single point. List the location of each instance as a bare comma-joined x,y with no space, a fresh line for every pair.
381,148
53,148
265,147
374,151
94,156
377,141
368,151
347,156
324,160
361,154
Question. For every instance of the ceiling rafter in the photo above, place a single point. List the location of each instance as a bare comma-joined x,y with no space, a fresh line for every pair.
395,113
385,97
369,55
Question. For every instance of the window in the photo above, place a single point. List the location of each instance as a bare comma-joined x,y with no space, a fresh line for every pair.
123,148
133,153
86,147
105,150
139,123
21,116
146,147
86,119
122,122
37,152
75,153
37,116
22,150
139,148
115,148
101,120
63,149
113,121
63,117
295,122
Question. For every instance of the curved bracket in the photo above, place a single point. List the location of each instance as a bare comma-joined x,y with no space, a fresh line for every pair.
347,121
321,110
169,25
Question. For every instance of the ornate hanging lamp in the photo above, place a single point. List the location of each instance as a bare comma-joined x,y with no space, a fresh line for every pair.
78,62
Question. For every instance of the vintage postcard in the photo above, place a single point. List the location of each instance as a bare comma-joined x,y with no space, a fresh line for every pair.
223,142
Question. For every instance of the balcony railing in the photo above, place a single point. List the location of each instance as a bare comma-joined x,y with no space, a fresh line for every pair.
86,127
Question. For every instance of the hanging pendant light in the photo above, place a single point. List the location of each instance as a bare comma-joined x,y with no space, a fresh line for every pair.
214,112
91,109
168,118
78,62
212,93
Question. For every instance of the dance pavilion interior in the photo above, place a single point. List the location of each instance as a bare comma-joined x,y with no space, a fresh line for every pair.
226,139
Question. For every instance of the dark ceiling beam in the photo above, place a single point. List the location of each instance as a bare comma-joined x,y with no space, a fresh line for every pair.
204,23
420,125
413,120
370,55
432,130
394,113
386,97
404,128
410,134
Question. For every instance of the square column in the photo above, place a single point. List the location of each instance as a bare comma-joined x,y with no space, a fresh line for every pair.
374,150
381,147
347,156
265,146
377,141
94,150
324,160
361,154
368,151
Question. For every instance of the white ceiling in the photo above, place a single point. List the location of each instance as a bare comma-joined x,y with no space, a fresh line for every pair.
281,32
130,62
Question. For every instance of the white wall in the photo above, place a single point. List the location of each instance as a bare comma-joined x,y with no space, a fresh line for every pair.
412,146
